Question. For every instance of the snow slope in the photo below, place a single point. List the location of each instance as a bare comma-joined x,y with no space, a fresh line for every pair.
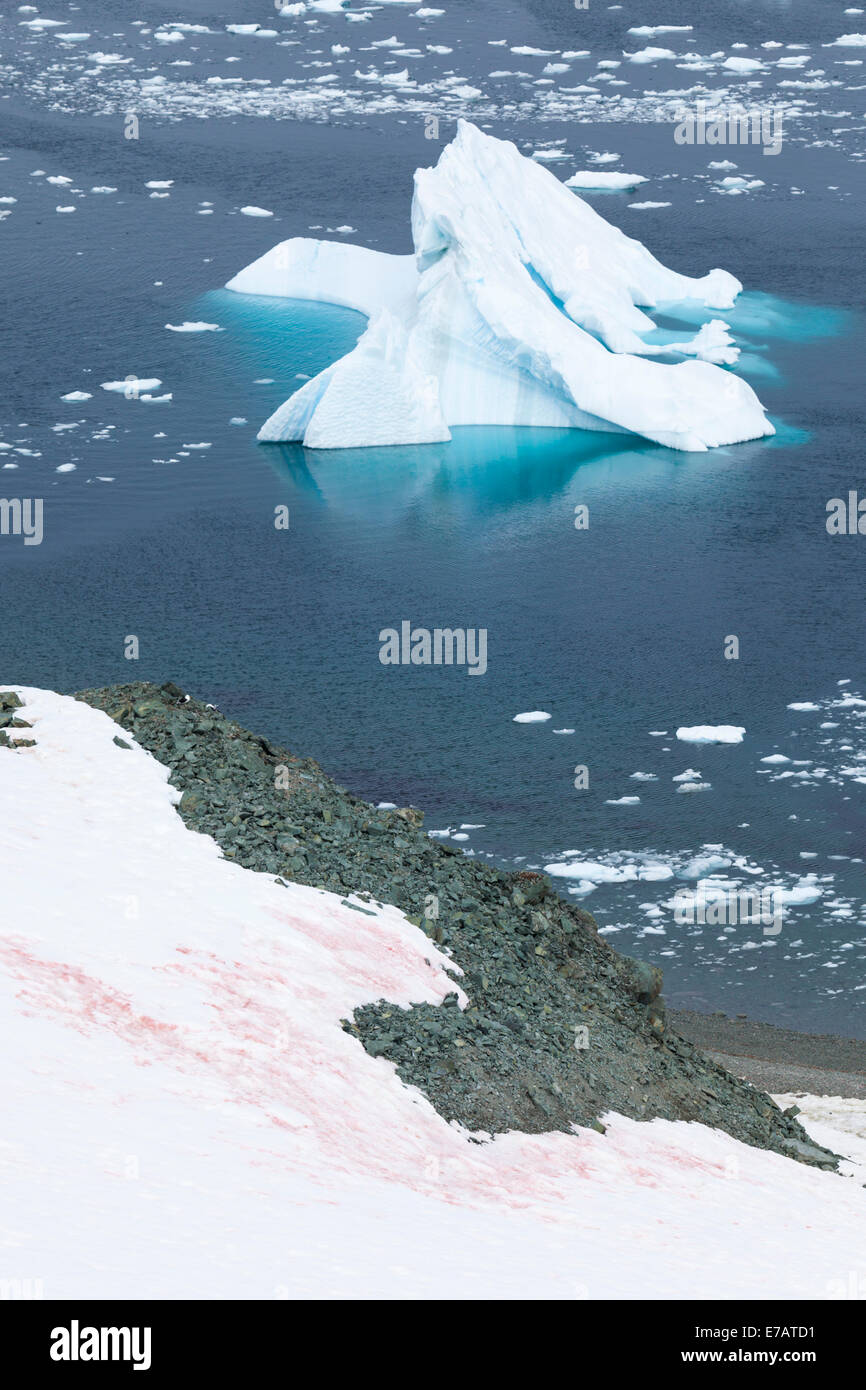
523,307
184,1115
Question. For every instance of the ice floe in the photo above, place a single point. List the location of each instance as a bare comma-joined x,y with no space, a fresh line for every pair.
595,178
195,326
711,733
132,385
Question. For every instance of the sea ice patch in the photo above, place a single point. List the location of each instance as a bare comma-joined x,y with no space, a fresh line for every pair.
711,733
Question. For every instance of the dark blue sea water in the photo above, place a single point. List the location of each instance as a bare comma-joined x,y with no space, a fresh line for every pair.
616,631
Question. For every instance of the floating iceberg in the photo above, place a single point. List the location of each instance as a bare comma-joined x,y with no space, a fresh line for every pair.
520,306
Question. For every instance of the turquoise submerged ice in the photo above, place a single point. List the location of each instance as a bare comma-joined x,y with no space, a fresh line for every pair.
520,306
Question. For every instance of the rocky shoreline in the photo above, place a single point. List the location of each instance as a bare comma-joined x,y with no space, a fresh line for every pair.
560,1028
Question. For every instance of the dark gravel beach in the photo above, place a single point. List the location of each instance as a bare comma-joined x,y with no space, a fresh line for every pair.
777,1059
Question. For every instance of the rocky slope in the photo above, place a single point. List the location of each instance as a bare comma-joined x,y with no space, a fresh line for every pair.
560,1027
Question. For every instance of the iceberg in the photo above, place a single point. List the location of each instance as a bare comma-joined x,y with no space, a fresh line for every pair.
521,305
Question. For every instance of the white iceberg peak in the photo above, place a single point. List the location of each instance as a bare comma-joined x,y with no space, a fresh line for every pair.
519,307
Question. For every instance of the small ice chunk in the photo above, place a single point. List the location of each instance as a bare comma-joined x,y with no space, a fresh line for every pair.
194,326
743,65
591,871
132,385
649,31
711,733
651,55
596,178
804,892
703,865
